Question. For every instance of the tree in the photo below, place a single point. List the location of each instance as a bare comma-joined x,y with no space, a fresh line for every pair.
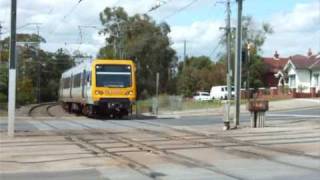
251,33
32,63
199,74
138,37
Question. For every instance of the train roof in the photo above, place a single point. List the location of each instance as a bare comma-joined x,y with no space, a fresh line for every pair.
88,64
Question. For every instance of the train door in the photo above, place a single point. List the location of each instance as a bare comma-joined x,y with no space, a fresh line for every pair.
84,94
89,87
71,85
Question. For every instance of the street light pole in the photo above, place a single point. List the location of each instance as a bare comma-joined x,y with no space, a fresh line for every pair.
237,78
12,70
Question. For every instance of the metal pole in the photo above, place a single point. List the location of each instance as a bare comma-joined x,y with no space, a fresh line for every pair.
0,42
238,65
229,71
184,50
12,70
248,72
39,67
157,92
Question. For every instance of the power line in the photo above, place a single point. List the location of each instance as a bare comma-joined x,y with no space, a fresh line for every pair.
72,9
159,4
214,50
117,3
64,17
180,9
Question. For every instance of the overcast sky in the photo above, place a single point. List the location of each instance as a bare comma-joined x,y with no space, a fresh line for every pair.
296,23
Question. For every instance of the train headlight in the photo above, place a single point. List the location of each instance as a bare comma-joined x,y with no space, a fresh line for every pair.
129,92
98,92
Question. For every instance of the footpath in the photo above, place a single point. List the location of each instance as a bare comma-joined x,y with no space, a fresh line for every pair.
279,105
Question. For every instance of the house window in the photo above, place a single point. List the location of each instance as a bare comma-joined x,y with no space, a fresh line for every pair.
292,81
316,80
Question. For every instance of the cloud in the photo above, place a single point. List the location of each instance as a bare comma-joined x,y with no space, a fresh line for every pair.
202,37
296,31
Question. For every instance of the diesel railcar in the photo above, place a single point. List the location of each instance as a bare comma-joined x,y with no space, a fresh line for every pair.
100,87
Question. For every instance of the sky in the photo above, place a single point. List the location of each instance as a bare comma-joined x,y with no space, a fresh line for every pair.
296,23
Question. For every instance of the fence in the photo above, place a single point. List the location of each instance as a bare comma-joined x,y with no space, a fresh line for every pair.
169,104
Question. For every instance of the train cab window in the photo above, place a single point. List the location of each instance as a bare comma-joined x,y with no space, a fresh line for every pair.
113,75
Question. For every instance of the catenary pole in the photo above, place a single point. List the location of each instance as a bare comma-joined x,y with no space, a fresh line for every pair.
12,70
237,78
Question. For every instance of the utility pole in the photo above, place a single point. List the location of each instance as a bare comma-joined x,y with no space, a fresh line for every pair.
0,42
184,51
12,70
229,70
237,79
38,65
157,92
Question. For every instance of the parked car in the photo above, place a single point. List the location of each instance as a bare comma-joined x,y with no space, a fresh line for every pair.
202,96
220,92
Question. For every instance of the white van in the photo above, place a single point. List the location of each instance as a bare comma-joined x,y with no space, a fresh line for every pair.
220,92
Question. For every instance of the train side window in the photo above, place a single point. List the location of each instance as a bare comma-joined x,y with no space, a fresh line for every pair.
83,77
66,83
77,80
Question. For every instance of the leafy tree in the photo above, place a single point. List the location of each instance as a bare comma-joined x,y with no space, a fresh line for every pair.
33,63
199,74
140,38
251,33
3,83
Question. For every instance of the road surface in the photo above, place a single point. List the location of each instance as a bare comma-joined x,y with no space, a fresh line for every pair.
183,148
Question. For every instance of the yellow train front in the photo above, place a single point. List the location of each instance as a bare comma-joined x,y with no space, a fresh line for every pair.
100,87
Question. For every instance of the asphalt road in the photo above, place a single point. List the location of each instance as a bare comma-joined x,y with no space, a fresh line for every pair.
59,123
310,113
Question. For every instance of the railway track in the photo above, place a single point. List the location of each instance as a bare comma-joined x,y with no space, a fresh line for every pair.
91,140
43,110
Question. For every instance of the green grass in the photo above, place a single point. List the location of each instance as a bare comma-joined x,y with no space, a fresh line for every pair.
175,103
3,109
189,104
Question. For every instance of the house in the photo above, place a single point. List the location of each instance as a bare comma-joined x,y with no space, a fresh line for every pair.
274,67
303,72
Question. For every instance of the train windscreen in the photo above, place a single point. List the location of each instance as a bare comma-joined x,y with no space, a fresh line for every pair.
113,76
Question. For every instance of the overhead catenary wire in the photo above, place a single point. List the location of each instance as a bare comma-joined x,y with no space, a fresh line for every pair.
215,49
180,10
72,9
159,4
116,3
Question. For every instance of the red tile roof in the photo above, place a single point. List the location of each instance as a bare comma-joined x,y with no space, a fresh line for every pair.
275,65
304,62
315,65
